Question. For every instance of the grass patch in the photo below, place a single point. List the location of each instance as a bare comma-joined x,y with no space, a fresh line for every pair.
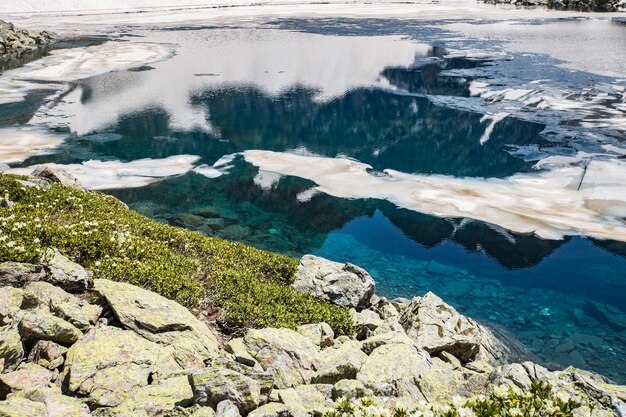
248,287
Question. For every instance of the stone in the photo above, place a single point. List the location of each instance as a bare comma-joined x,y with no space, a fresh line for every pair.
64,273
437,326
237,348
161,321
56,404
18,274
45,295
108,363
342,284
389,338
216,384
392,370
227,408
154,400
203,412
47,354
54,173
21,407
10,303
594,386
343,362
350,388
11,348
287,355
321,334
31,377
271,410
307,400
42,325
608,314
440,383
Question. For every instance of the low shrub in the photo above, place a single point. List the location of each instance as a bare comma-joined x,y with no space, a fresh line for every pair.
246,286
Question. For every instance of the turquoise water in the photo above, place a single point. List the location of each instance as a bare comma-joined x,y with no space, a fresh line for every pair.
553,295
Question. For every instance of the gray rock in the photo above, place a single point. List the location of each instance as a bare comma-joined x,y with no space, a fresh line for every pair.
18,274
307,400
342,284
287,355
11,348
437,327
238,349
54,173
350,388
11,300
216,384
31,377
227,408
55,403
321,334
343,362
47,354
42,325
42,295
389,338
21,407
271,410
64,273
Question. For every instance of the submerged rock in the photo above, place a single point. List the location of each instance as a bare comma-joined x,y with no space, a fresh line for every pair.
342,284
438,327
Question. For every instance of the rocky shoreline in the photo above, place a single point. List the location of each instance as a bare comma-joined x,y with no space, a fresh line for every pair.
579,5
73,344
15,41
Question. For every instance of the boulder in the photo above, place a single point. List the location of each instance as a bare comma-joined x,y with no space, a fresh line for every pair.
287,355
307,400
10,302
203,412
21,407
393,370
43,295
389,338
342,284
153,400
18,274
271,410
350,388
64,273
47,354
30,377
11,348
82,317
216,384
343,362
438,327
612,397
321,334
108,363
55,403
161,321
227,408
608,314
238,349
54,173
42,325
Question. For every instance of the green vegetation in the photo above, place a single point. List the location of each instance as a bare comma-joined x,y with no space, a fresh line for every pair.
539,400
242,285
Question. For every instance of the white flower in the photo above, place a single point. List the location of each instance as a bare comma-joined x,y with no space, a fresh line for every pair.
501,391
36,240
10,244
466,412
98,263
515,412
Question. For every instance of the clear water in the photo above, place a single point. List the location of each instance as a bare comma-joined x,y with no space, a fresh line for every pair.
396,101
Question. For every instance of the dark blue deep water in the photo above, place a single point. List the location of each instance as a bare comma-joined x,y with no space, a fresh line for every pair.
565,299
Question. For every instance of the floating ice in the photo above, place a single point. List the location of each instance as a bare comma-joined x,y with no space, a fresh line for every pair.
266,179
219,168
20,143
106,175
552,204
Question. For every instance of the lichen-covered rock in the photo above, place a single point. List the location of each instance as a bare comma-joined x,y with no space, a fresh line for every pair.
203,412
342,284
53,173
238,349
18,274
31,377
153,400
611,397
389,338
108,363
271,410
74,314
64,273
392,370
307,400
43,295
216,384
11,348
343,362
161,321
350,388
42,325
10,302
55,403
21,407
227,408
287,355
321,334
47,354
437,327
